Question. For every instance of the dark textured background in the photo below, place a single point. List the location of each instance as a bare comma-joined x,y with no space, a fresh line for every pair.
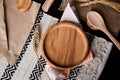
112,66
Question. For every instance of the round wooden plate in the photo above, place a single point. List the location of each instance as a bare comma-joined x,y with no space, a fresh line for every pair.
64,45
23,5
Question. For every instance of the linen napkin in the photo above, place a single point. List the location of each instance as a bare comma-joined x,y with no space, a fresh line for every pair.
17,28
3,36
54,74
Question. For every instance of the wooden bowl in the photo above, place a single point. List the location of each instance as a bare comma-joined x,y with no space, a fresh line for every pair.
64,45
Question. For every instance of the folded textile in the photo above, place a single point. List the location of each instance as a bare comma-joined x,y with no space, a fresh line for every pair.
18,26
3,36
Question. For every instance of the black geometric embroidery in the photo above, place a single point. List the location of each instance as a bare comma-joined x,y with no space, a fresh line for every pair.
73,73
36,71
34,76
42,60
10,69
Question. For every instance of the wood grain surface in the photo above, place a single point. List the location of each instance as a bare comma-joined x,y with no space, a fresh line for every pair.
23,5
64,45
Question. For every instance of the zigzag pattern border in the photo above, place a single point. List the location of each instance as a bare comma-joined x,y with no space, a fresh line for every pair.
10,69
35,73
73,73
34,76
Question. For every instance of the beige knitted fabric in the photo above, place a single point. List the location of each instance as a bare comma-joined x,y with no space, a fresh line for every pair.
15,27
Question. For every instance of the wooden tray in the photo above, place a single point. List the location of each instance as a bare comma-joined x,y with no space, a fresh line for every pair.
64,45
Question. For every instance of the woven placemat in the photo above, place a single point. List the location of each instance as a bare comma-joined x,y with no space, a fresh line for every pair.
26,68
